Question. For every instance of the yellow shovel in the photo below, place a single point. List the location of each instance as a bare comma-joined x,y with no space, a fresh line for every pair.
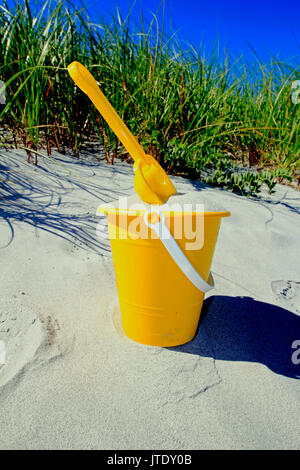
151,182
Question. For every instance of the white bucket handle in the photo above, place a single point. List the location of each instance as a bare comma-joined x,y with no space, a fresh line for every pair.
177,254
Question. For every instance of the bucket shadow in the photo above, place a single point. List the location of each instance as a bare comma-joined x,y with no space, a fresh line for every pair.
244,329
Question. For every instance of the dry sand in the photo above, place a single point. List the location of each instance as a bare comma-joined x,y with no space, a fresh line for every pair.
190,201
69,377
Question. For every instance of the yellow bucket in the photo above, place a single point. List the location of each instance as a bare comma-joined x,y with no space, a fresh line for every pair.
159,304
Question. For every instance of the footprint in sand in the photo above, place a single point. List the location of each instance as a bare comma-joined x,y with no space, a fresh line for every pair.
27,341
288,293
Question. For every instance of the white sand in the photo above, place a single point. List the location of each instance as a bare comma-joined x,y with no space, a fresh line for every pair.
189,201
72,380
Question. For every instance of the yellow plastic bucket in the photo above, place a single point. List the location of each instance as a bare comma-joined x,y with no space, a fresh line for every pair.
159,305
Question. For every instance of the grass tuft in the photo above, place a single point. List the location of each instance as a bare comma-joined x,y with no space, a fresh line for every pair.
191,112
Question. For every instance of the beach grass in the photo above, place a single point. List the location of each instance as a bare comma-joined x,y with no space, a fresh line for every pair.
200,116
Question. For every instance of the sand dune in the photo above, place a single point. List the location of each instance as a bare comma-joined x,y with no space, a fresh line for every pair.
72,379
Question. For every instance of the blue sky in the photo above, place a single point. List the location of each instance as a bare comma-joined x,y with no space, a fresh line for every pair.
269,26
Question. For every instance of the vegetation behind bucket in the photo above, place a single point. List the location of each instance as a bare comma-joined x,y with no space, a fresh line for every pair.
220,119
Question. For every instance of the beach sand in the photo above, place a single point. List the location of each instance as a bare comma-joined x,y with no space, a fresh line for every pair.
71,379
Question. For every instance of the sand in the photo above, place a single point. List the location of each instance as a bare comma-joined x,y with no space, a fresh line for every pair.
190,201
71,379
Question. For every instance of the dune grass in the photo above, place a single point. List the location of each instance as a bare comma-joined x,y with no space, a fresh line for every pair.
191,112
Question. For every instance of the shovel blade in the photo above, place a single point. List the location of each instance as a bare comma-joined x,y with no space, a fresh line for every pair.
151,182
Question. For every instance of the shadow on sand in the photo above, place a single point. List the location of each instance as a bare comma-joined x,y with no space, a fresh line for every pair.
244,329
43,199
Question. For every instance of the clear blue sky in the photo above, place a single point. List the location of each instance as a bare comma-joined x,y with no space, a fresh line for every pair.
269,26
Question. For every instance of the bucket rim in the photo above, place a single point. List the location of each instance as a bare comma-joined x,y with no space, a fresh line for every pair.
141,212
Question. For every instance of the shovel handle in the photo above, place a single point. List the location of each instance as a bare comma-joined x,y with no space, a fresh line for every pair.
86,82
